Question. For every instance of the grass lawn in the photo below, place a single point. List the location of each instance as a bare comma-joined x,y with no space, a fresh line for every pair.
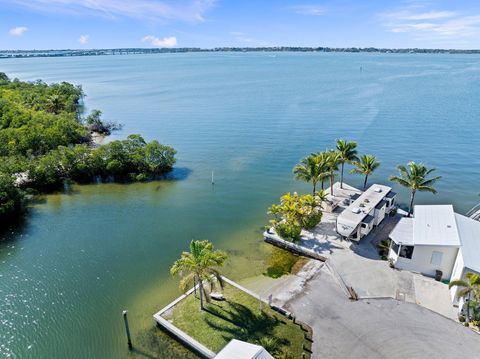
239,317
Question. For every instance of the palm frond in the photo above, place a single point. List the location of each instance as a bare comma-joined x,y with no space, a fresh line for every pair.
458,283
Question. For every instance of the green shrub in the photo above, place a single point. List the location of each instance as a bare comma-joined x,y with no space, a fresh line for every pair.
270,344
10,196
288,230
294,213
383,247
142,177
311,221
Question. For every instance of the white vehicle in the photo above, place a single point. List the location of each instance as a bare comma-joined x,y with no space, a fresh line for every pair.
365,212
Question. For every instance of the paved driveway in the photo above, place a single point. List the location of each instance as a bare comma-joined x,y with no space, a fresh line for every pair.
378,328
359,266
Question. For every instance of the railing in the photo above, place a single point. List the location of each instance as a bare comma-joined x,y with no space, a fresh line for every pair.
474,213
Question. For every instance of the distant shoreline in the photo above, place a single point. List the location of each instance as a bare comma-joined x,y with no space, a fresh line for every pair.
130,51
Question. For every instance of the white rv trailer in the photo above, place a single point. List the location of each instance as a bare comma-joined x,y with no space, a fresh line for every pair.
365,212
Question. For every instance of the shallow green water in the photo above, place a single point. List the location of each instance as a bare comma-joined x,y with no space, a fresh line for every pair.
82,257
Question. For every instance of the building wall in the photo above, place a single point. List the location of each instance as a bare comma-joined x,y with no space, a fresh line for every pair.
457,273
421,258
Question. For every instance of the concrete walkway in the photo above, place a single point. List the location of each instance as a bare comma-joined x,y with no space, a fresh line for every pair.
379,328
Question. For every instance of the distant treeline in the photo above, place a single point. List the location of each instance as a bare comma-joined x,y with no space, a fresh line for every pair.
45,141
127,51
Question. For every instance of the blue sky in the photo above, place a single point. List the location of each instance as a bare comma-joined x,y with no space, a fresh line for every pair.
56,24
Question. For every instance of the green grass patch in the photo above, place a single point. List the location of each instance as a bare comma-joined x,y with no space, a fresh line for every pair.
242,317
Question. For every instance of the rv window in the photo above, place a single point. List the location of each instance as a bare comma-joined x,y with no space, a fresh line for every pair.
406,252
436,258
395,247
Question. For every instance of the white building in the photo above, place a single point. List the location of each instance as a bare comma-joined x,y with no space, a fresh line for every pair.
437,242
237,349
468,258
366,211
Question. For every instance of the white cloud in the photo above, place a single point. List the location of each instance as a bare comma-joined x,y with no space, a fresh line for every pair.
156,41
83,39
315,10
18,31
431,25
430,15
153,10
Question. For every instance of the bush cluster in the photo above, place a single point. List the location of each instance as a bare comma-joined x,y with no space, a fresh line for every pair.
295,213
44,141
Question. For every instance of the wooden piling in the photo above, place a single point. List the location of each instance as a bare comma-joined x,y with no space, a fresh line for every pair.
127,329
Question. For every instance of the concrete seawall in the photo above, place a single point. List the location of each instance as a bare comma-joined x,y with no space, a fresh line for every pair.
292,247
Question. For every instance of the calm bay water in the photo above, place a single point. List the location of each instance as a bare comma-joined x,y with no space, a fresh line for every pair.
82,257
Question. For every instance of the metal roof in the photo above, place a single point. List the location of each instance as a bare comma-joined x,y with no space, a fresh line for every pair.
358,210
237,349
435,225
403,231
469,231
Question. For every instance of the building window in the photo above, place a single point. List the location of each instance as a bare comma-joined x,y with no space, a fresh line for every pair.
406,252
436,259
395,247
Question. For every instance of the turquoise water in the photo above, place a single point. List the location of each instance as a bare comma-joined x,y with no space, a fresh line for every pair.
82,257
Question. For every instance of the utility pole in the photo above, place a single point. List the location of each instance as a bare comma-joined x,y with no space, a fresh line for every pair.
127,329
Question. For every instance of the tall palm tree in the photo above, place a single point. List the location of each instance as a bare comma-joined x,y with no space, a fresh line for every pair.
333,160
469,287
347,152
310,170
415,178
199,265
365,166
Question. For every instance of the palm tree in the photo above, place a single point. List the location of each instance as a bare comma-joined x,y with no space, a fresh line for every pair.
198,266
333,160
472,286
415,178
321,196
347,152
310,170
365,166
54,104
323,159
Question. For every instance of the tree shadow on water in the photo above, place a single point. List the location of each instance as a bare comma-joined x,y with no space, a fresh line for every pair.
177,174
240,322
